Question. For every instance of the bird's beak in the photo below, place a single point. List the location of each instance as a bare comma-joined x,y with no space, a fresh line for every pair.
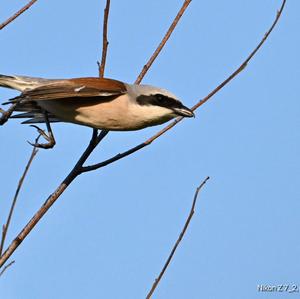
184,111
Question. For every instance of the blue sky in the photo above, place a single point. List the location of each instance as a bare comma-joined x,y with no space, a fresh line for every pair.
111,231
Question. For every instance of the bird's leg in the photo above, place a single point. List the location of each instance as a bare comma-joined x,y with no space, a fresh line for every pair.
5,115
49,137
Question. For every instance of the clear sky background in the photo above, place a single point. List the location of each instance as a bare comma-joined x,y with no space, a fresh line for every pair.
111,231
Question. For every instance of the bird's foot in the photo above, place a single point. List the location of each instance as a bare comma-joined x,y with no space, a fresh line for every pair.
51,141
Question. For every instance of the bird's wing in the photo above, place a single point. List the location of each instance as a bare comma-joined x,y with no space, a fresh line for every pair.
65,89
75,88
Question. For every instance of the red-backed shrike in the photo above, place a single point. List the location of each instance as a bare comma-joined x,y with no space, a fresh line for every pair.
94,102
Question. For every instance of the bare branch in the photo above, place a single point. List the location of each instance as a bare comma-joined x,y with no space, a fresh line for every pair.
18,13
5,268
186,225
14,201
163,42
105,41
196,106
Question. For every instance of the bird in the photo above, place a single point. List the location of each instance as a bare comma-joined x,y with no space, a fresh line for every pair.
99,103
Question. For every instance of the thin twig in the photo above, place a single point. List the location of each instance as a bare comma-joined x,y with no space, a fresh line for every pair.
104,40
186,225
196,106
5,268
14,201
105,43
18,13
163,42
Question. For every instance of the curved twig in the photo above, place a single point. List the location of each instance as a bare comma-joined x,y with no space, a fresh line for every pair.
185,227
7,266
18,13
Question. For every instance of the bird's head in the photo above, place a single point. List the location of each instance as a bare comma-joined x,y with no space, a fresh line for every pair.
159,101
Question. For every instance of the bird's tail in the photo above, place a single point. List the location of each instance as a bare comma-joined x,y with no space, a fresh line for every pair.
21,83
31,109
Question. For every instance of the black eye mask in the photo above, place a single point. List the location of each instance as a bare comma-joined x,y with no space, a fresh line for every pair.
159,100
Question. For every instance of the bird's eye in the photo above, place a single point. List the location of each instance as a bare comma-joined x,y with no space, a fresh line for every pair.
160,97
